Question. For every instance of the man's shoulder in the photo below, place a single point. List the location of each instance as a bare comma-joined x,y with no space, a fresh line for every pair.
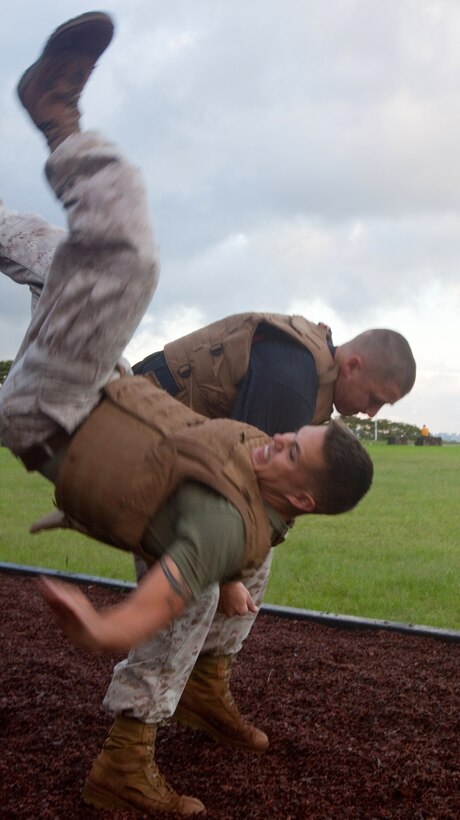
195,498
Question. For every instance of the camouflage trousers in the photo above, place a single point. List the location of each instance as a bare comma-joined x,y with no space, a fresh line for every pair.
100,281
148,684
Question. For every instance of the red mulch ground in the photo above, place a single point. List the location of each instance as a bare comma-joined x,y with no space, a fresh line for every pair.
362,724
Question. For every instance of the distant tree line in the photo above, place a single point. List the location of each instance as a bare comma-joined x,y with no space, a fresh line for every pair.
4,369
365,428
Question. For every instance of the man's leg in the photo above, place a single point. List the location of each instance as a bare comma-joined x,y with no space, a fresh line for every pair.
148,684
207,702
102,276
145,690
227,635
100,282
202,667
27,246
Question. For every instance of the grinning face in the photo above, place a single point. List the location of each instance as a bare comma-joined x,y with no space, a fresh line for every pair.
357,391
285,467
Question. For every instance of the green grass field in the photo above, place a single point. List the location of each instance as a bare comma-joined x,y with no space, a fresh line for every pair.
26,497
395,557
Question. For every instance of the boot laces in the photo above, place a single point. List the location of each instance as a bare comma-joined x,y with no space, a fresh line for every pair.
158,780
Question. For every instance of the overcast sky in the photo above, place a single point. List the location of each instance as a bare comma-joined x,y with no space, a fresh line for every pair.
300,156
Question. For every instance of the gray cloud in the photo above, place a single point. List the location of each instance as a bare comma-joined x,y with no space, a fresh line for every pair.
293,151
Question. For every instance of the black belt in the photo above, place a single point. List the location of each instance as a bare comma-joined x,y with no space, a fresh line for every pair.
38,454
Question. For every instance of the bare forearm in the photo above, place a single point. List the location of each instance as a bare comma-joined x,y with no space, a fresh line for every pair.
144,613
161,596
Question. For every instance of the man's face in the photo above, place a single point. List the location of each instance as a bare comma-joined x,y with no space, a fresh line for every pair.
282,467
357,391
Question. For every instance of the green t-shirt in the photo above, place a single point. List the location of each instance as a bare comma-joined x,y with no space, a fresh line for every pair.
202,532
204,535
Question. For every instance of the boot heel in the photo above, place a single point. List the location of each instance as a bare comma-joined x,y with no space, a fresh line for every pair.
125,775
93,796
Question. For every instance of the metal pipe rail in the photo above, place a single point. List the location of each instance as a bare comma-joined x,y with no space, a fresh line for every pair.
324,618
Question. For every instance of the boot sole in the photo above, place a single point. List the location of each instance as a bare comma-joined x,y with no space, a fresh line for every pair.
194,721
68,35
100,799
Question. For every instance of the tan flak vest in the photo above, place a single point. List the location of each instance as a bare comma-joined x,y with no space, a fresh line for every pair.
209,364
134,451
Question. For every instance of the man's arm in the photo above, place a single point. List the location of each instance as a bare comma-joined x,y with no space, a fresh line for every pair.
161,596
198,539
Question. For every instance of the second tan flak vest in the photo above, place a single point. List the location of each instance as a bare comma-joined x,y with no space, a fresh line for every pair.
134,451
209,364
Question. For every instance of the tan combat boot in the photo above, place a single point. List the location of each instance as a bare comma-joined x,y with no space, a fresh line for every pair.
207,704
50,89
125,775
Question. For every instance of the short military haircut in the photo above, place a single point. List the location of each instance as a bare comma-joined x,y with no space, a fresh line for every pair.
348,472
387,355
